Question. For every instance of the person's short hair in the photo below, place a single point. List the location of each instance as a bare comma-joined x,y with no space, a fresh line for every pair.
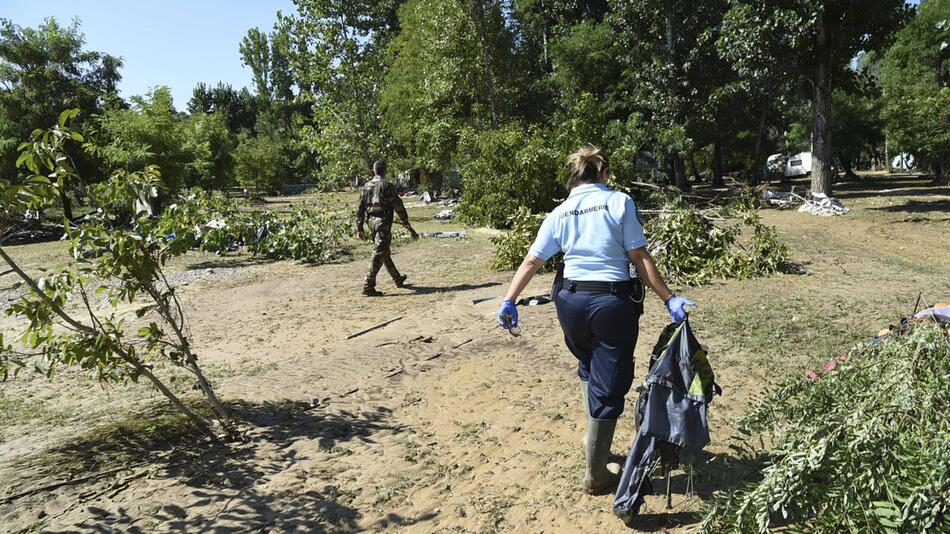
379,168
585,165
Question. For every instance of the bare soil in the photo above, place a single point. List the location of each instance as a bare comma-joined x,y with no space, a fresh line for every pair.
438,422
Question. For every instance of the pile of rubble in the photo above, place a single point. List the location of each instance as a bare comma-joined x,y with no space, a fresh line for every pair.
815,204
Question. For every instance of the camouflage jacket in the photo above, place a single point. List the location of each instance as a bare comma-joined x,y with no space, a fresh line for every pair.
380,199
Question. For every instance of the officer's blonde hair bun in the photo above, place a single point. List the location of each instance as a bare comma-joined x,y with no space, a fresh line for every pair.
585,165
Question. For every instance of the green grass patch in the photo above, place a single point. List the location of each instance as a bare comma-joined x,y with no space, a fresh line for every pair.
22,411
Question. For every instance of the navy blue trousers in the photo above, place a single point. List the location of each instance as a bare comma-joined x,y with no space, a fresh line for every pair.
601,330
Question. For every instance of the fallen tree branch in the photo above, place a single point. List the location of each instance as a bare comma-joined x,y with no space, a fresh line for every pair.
374,327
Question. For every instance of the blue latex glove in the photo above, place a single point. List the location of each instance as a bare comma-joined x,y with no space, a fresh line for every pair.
677,308
508,315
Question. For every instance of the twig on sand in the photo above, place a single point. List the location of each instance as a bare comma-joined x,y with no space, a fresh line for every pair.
467,341
374,327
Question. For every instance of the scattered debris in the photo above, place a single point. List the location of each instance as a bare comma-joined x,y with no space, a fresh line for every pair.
483,299
374,327
823,206
780,199
467,341
425,198
445,215
939,313
536,300
445,235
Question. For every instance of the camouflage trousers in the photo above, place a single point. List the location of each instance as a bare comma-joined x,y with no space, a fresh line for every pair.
382,230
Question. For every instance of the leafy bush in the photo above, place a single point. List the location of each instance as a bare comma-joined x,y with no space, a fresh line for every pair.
262,162
506,169
308,234
511,247
688,248
851,454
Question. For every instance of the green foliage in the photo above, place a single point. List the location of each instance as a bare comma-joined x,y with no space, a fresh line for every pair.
507,169
336,49
210,147
864,448
149,132
445,75
44,70
308,234
916,79
261,162
511,247
686,245
690,249
240,107
113,266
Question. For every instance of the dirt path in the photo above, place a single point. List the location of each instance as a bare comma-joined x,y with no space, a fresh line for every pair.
437,422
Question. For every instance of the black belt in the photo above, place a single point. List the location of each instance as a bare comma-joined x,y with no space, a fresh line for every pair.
625,287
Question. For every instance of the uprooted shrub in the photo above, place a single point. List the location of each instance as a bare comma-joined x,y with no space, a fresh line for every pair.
691,249
77,313
688,246
213,223
864,448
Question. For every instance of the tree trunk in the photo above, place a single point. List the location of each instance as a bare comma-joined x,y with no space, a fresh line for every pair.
717,163
822,175
692,163
846,165
679,173
757,164
477,13
67,204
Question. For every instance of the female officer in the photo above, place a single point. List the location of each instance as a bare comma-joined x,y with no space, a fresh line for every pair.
600,234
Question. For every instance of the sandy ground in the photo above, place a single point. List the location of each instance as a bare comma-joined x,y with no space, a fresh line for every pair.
437,422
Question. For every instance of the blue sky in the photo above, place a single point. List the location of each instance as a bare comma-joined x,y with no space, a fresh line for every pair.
162,42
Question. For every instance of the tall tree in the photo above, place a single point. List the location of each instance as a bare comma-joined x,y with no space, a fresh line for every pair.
240,107
43,71
811,39
916,79
445,76
336,53
147,133
671,64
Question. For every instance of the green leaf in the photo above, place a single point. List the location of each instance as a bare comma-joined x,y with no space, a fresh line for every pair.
66,115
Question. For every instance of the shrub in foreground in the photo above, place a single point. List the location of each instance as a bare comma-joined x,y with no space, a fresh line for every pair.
865,448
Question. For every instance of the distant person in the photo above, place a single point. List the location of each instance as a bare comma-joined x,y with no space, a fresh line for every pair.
378,201
598,303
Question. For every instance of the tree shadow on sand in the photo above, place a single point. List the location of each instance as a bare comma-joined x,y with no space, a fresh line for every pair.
227,478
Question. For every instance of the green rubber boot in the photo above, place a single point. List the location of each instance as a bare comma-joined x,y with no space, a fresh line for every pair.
600,476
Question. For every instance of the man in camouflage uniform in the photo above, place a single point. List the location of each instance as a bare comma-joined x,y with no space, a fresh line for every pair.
378,202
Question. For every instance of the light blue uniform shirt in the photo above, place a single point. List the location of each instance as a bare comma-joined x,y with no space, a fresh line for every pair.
594,227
